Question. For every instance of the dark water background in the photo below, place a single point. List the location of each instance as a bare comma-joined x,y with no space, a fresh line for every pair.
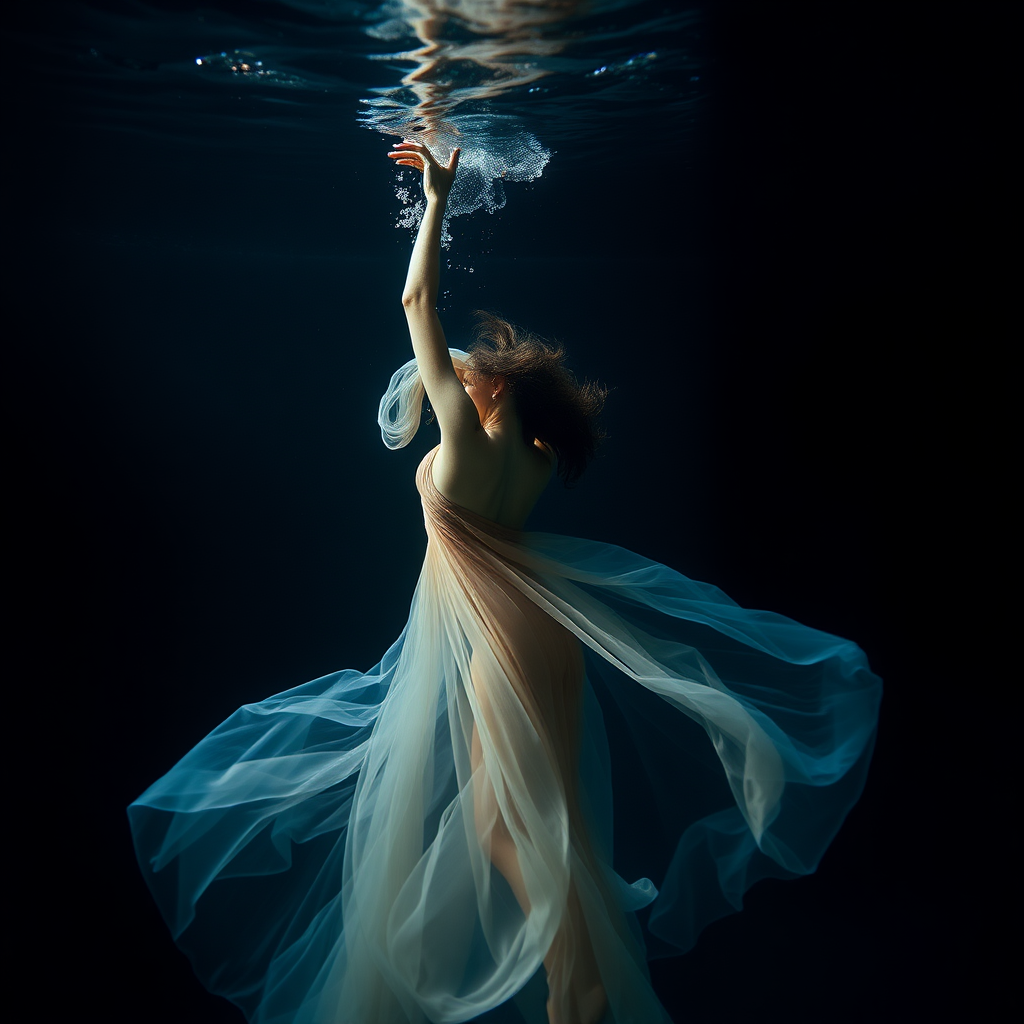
204,288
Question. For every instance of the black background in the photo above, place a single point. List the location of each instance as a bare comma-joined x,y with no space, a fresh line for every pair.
198,345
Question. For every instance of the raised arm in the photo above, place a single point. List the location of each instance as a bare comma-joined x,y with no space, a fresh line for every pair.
454,409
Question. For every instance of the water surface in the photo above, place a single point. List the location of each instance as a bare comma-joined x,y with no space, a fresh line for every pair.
511,83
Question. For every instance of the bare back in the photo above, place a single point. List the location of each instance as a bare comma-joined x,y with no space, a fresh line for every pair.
489,470
493,473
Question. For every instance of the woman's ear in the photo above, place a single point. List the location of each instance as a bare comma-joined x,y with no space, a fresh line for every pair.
498,386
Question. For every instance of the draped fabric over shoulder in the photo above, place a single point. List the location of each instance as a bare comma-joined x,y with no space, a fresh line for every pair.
410,843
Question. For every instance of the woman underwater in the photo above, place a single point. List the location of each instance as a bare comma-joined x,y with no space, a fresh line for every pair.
432,839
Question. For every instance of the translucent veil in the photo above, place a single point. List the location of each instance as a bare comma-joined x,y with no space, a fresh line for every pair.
328,855
401,406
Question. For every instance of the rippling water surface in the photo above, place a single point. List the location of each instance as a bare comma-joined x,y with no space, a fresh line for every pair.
515,84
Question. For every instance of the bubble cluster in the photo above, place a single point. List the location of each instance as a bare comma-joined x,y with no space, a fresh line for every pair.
466,62
412,214
495,150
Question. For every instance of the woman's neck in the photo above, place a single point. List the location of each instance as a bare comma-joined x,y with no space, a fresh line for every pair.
504,421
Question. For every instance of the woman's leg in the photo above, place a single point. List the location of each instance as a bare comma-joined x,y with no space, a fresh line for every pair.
491,828
574,981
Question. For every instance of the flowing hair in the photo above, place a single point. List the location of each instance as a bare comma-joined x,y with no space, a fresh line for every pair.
553,406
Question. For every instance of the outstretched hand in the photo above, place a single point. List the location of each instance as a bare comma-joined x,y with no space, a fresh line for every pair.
437,177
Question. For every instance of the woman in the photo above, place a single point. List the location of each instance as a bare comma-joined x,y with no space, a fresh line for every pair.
433,840
489,465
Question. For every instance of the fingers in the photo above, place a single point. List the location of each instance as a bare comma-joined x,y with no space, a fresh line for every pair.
408,146
406,159
415,154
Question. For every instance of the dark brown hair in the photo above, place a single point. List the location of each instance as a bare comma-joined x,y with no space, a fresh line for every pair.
553,407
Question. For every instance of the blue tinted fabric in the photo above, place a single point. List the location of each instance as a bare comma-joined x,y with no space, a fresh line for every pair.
328,854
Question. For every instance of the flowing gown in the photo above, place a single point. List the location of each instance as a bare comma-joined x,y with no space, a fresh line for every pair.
410,843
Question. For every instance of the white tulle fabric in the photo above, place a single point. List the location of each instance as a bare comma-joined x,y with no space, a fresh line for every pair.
401,406
431,839
495,678
499,655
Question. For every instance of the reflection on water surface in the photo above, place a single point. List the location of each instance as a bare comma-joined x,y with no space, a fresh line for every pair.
511,82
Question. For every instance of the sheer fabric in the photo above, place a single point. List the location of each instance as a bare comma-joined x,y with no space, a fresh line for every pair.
410,843
401,406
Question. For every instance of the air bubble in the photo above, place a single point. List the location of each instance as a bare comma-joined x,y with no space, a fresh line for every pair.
495,150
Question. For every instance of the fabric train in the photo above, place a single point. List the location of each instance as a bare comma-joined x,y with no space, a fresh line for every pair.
330,855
